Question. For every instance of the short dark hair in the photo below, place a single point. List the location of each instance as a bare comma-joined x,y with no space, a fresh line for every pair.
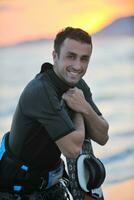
72,33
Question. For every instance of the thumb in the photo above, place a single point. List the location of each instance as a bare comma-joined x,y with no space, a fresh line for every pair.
64,96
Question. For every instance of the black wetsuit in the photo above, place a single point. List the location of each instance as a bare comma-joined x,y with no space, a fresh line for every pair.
41,117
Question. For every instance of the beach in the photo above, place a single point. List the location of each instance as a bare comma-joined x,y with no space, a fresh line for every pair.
120,191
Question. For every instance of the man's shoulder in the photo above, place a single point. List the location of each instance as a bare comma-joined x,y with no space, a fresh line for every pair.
36,88
34,85
38,83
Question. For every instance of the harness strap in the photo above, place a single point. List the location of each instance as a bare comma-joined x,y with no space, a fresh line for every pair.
20,177
5,156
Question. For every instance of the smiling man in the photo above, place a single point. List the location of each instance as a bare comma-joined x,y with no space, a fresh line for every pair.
54,115
70,64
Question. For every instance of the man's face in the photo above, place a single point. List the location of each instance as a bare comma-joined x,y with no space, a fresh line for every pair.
72,62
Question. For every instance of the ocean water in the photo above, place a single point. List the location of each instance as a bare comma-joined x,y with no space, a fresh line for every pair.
111,78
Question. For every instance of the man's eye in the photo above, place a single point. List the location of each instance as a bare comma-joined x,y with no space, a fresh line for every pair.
71,56
85,59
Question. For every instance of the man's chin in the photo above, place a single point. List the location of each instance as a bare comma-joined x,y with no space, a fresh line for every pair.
72,83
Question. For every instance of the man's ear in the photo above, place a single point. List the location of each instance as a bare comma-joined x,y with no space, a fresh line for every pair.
54,54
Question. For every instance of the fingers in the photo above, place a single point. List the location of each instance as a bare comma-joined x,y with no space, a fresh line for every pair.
64,96
74,90
74,93
68,93
71,91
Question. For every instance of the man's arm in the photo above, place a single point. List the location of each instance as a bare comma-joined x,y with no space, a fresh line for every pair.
71,144
97,126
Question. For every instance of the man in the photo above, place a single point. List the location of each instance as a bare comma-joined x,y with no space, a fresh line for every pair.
50,119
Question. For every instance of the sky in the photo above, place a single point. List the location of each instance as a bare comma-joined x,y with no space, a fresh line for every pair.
22,20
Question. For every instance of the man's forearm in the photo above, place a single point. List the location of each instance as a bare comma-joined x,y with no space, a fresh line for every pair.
71,144
97,126
79,125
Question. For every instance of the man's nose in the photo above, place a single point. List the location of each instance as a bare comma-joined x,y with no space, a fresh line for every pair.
77,64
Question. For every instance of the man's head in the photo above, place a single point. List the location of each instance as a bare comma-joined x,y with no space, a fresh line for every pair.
72,33
72,51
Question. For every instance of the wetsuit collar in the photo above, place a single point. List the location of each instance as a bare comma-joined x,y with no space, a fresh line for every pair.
60,85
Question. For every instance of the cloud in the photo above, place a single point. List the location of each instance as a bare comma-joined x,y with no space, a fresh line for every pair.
10,6
5,7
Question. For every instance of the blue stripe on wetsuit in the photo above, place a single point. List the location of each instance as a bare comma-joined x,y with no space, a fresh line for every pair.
2,146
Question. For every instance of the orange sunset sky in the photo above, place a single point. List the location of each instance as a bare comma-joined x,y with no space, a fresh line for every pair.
22,20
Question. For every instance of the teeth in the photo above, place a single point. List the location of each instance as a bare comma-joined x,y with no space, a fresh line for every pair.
74,73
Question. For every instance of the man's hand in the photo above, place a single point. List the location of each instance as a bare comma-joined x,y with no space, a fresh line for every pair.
96,125
75,100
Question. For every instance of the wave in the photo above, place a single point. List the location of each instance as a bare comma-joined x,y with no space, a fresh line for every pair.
117,180
128,152
124,134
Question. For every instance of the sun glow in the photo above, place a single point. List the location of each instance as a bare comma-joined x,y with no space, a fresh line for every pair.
27,20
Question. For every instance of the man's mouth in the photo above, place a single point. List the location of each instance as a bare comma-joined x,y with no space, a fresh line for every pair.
74,73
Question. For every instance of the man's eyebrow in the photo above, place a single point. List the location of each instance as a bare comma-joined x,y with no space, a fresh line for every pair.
71,53
85,56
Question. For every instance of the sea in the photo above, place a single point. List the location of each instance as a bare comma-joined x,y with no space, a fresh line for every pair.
110,75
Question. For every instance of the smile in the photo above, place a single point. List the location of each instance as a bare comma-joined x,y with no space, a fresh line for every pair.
74,73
